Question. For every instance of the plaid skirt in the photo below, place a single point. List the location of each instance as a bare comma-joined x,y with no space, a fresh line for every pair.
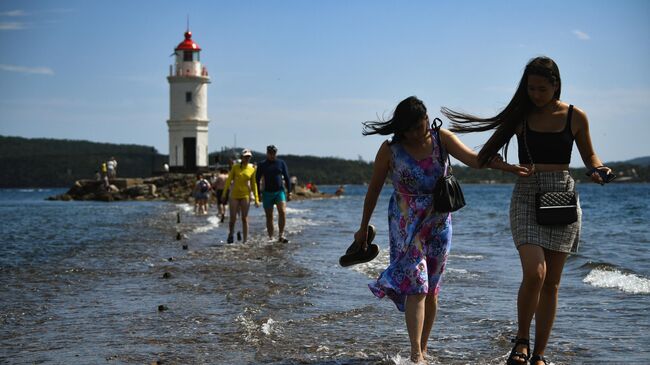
523,223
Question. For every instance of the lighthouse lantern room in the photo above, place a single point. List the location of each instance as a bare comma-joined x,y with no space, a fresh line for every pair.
188,109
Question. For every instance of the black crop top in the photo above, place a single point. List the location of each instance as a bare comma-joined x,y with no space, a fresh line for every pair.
547,147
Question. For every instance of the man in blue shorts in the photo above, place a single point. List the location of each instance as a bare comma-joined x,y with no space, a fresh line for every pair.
274,171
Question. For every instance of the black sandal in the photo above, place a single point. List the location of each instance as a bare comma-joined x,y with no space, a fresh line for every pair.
536,358
356,255
514,353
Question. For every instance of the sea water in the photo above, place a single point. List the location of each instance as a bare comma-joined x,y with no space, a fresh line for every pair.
82,282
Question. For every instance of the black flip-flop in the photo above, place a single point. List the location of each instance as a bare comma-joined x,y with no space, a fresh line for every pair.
355,255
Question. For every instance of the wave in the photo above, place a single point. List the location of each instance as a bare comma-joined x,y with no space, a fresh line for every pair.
36,190
467,257
290,210
185,208
213,222
605,276
373,268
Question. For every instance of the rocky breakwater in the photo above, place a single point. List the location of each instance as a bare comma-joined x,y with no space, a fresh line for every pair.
175,187
170,187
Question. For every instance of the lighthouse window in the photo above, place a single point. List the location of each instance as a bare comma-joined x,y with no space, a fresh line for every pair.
188,97
187,56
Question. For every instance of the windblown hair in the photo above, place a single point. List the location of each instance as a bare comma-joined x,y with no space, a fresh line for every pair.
407,114
513,115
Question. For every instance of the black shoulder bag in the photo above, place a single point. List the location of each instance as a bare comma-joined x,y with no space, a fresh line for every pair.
554,207
447,195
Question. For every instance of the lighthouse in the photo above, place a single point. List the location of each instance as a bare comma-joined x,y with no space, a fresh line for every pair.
188,109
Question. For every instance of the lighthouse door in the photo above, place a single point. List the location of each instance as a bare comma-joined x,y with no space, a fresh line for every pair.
189,153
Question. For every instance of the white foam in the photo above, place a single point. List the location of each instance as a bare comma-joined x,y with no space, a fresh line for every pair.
213,222
373,268
628,283
269,326
399,360
290,210
185,207
298,223
468,257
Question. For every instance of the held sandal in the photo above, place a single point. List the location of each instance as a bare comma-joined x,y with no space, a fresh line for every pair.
514,353
536,358
356,255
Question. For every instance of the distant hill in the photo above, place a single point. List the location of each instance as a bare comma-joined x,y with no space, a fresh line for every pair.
641,161
320,170
42,162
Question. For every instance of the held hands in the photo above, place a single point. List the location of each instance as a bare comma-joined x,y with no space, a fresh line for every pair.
497,163
520,170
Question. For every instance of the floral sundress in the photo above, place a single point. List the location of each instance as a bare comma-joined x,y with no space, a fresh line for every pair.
420,239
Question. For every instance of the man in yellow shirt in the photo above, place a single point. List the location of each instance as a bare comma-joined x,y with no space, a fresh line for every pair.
242,177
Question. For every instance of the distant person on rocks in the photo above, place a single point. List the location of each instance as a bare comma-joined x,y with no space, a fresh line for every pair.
242,177
276,180
294,183
104,175
98,176
166,167
340,191
201,195
219,185
111,165
420,238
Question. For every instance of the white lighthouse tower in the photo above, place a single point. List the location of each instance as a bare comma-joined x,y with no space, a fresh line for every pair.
188,109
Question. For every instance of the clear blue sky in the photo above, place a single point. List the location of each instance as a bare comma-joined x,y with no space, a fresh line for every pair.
304,74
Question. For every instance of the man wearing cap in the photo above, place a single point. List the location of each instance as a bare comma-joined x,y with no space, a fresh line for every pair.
274,171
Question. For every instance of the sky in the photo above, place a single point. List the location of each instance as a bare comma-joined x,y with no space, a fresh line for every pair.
304,75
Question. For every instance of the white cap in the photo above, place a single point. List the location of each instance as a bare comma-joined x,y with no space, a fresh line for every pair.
246,152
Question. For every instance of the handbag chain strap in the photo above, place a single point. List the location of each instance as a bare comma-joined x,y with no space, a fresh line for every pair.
530,158
436,128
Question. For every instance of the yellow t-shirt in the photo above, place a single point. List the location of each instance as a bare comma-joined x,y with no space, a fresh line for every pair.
244,182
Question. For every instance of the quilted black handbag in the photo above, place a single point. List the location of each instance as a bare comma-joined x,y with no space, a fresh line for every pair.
556,208
553,207
447,195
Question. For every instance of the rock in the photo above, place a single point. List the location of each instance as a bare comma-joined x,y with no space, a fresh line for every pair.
140,190
162,307
104,197
166,275
184,247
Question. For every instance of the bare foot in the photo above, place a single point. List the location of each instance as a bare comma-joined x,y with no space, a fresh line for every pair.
417,358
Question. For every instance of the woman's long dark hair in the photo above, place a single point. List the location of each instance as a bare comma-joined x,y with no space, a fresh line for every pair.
511,116
407,114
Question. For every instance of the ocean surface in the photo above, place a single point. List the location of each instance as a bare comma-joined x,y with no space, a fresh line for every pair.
82,282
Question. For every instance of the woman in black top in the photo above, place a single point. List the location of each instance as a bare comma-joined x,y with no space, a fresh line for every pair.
546,128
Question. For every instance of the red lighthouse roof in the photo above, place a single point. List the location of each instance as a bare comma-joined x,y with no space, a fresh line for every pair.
188,44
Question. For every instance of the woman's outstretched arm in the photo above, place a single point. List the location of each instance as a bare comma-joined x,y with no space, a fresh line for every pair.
379,173
469,157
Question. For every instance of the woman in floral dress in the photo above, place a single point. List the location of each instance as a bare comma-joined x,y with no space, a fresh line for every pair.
420,238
